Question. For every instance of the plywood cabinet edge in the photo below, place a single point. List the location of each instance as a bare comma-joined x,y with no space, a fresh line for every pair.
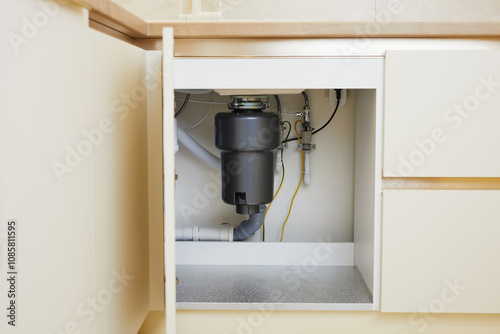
325,29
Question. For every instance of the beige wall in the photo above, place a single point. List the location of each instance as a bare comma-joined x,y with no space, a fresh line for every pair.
319,10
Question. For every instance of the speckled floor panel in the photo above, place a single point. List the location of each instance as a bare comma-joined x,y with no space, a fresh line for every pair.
271,287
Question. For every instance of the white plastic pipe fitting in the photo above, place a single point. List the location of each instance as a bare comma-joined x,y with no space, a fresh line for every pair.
307,168
196,233
277,162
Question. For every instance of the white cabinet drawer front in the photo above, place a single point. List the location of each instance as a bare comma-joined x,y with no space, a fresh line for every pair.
441,251
442,114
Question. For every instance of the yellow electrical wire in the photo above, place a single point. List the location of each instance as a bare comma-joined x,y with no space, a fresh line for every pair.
300,182
281,183
276,194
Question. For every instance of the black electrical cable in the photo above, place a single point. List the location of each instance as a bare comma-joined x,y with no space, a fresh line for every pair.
306,99
186,100
278,103
338,91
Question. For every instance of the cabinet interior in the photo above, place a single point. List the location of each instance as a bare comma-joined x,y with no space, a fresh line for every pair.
328,256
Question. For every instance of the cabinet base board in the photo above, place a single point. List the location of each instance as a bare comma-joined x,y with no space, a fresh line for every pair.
272,288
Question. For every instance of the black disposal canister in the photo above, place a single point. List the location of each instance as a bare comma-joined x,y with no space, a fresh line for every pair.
247,138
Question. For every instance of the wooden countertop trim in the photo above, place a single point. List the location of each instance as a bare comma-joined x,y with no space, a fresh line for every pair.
326,29
116,17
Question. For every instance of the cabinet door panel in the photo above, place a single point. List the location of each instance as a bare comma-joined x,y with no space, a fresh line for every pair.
169,179
442,114
441,251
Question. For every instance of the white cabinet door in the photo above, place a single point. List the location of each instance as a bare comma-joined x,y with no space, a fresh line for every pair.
441,251
442,114
169,178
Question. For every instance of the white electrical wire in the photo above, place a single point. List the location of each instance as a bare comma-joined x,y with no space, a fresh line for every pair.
206,102
200,121
204,116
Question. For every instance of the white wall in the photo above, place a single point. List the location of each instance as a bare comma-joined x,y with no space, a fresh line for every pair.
80,231
322,209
